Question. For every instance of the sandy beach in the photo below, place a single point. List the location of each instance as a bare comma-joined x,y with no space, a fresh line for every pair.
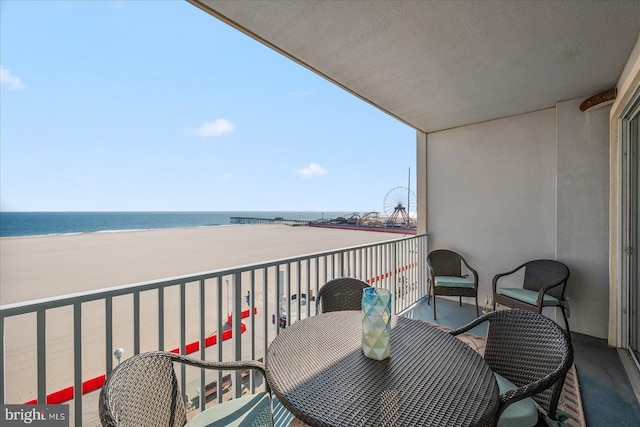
46,266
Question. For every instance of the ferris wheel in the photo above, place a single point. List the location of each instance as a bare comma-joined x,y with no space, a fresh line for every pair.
400,206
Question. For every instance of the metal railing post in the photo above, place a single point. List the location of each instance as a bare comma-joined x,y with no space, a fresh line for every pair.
237,330
108,321
42,357
77,363
219,341
203,353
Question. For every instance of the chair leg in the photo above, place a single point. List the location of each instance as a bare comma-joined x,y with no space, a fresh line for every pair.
477,310
434,305
566,322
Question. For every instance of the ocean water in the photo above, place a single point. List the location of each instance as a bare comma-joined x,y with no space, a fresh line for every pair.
14,224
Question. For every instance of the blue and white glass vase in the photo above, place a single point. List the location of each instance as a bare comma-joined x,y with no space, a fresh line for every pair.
376,323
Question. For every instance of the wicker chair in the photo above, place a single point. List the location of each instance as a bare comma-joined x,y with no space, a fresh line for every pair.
445,272
544,284
143,391
344,293
533,353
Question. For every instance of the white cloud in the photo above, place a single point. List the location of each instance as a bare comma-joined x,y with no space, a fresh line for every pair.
215,128
313,169
6,77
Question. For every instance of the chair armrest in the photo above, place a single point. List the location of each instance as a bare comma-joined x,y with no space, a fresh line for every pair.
533,388
543,291
494,282
553,285
473,271
224,366
430,269
470,325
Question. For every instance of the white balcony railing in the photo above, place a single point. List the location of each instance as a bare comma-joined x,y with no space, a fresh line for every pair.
54,346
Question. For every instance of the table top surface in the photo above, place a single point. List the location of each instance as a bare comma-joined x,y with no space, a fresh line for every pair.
317,370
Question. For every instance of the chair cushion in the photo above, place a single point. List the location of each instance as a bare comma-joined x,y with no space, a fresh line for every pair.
529,297
522,413
252,410
454,282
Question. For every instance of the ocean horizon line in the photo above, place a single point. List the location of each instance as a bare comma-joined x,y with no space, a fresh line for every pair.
54,223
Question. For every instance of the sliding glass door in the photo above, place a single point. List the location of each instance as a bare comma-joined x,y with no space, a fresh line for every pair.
631,234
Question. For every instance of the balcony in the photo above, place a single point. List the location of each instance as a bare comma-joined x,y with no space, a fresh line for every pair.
54,347
233,314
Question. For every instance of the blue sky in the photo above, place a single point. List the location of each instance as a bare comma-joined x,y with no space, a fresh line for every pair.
156,105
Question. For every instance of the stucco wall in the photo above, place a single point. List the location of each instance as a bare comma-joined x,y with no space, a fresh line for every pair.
582,239
492,192
525,187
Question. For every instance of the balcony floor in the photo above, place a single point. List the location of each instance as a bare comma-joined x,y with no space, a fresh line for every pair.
607,396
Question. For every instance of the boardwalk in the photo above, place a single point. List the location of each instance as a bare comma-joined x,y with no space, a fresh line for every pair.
276,220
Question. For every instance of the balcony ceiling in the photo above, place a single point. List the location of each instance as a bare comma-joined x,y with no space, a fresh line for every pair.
437,65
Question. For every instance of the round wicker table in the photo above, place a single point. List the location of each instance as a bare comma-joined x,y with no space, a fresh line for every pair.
317,370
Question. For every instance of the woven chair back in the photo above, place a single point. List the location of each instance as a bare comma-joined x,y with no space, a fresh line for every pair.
142,392
344,293
544,272
524,347
445,263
